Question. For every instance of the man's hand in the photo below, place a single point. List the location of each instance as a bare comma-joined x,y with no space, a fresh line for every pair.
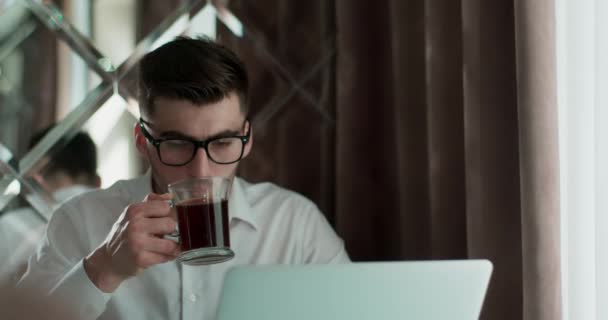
134,243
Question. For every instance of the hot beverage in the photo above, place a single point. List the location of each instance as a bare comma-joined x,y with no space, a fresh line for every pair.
203,224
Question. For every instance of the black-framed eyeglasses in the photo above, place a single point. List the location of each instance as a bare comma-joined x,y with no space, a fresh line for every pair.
180,151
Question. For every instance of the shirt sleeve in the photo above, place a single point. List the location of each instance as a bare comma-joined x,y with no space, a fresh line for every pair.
321,243
20,231
75,286
57,267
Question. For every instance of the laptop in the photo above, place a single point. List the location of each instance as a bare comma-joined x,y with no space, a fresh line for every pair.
429,290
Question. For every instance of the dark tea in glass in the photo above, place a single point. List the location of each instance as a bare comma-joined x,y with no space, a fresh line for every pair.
203,219
203,224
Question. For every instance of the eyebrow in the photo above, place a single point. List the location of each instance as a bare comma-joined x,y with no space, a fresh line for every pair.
177,134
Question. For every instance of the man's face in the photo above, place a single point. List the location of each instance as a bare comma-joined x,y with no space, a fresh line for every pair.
173,118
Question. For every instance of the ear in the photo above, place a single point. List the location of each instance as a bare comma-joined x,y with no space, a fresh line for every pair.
97,181
249,144
140,141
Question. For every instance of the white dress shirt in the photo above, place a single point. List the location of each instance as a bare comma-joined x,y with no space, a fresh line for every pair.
268,225
20,232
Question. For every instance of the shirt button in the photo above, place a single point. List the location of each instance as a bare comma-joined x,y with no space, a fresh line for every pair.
193,297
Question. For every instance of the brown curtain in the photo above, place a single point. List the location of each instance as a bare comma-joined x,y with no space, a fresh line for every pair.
447,141
538,142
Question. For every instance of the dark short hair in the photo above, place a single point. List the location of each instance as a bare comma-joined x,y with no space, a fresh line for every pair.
195,69
76,156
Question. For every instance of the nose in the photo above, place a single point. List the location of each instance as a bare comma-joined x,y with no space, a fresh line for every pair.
200,166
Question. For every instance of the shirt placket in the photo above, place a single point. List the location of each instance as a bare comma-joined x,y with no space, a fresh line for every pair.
193,304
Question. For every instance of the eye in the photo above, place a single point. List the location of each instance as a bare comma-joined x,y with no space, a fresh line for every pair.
223,142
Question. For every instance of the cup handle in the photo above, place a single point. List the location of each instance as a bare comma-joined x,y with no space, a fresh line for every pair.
175,234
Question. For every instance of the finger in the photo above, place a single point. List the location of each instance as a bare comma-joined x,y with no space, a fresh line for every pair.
159,226
154,208
161,246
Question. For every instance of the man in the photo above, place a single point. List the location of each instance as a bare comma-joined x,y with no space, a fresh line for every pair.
62,177
105,251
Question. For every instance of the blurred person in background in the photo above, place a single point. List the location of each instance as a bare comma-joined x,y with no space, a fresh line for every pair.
69,172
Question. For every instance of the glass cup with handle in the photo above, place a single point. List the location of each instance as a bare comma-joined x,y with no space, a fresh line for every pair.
202,219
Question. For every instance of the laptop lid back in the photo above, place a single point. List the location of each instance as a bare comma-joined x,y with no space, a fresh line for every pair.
430,290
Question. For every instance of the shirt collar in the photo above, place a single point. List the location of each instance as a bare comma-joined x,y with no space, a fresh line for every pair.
238,206
64,194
